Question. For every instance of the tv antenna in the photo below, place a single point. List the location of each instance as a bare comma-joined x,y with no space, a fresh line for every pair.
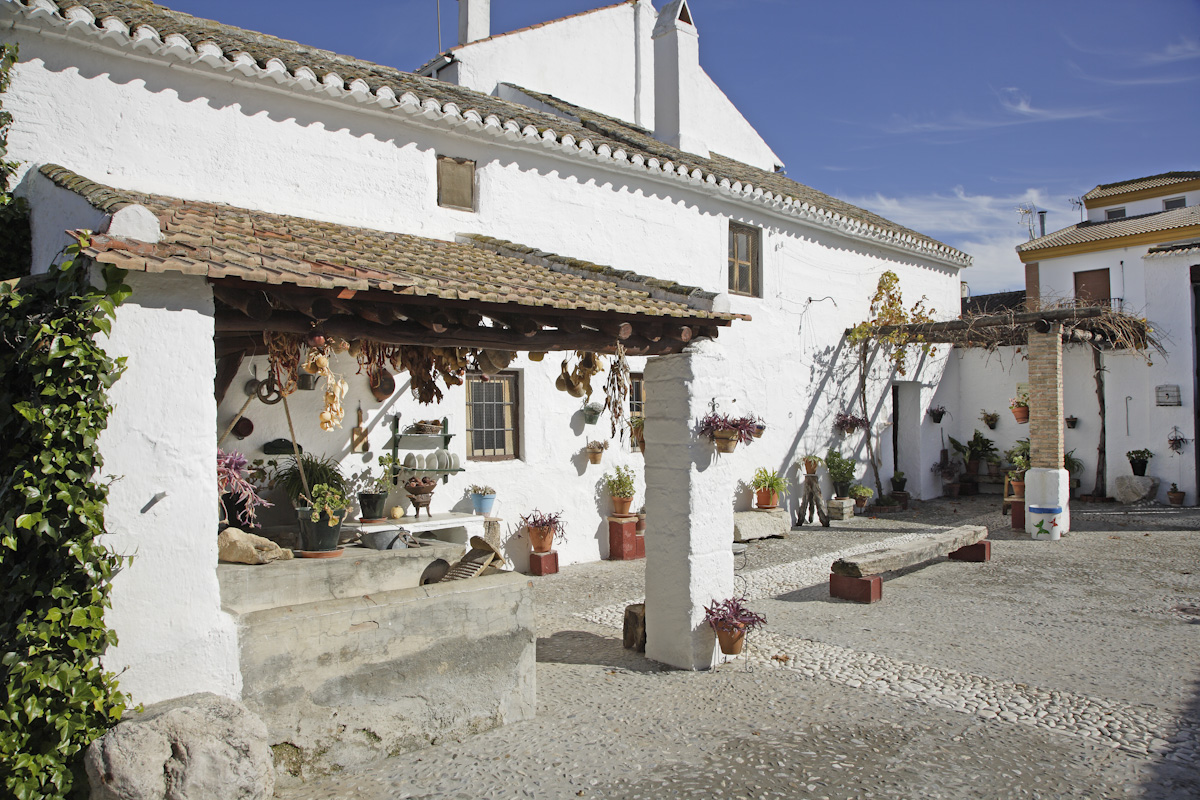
1077,203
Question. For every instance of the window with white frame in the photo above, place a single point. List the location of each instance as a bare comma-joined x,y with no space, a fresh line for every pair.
1173,203
1115,213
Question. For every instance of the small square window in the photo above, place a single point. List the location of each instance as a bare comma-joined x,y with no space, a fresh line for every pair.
456,183
1114,213
493,417
1174,203
745,270
637,401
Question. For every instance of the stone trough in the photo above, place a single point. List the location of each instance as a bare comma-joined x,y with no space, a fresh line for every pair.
858,578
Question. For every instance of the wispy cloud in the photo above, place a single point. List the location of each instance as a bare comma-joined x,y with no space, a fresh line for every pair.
1149,80
1185,49
987,227
1015,108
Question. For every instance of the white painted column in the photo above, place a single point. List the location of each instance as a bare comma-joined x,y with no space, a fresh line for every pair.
689,504
161,445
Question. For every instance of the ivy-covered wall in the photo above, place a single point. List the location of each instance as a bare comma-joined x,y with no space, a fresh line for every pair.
55,575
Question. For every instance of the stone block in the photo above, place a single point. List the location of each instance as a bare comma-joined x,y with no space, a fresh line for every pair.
623,539
201,745
635,627
639,546
909,554
543,563
756,524
978,552
1135,488
859,590
342,683
841,509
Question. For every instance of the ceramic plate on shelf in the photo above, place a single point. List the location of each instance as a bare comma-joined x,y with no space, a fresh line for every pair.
454,462
420,461
410,461
443,459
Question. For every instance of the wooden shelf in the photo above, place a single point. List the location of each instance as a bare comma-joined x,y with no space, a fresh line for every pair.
397,436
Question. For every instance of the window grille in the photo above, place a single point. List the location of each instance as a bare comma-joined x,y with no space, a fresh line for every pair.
493,417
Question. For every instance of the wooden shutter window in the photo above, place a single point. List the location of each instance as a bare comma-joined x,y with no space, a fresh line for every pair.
1092,288
493,417
456,183
745,276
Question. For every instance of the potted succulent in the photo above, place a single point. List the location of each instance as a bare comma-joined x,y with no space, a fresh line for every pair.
619,484
1138,459
841,472
637,432
849,423
811,462
936,413
239,496
1174,496
373,491
321,518
1016,476
1020,407
861,495
769,487
898,481
989,418
595,450
544,529
482,498
591,413
730,619
726,431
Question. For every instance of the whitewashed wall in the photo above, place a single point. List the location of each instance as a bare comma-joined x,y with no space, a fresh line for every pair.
160,449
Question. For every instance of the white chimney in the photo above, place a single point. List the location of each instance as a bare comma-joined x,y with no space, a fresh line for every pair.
678,104
474,20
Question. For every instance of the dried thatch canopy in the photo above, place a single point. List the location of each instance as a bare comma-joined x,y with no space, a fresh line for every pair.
1100,326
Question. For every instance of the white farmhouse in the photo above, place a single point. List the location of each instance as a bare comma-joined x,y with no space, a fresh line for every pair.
253,185
1137,251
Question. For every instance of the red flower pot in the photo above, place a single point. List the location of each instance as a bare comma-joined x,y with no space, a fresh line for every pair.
1021,414
542,539
731,640
767,498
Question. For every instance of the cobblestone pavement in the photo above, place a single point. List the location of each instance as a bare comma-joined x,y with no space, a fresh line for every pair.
1068,669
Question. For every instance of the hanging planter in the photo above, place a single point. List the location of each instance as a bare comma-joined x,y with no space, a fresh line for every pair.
1071,421
936,413
849,423
591,413
595,451
726,431
1020,408
989,418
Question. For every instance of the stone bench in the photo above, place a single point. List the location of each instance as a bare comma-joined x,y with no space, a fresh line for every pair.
858,578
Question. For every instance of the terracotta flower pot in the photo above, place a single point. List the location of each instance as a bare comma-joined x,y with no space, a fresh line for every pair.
726,441
641,525
1021,414
1175,498
1018,488
731,640
595,456
860,502
541,539
621,506
952,489
767,498
810,466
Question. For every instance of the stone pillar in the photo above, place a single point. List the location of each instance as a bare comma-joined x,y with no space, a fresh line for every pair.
1047,484
689,504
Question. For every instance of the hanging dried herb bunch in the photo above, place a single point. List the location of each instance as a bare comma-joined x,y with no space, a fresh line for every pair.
616,388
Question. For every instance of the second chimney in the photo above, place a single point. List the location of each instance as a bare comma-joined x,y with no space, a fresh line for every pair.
474,20
678,82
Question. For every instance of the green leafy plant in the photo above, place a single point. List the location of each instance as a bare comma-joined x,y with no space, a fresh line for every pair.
768,479
1139,455
619,483
860,492
841,469
54,384
1071,463
325,499
989,418
475,488
317,469
1020,401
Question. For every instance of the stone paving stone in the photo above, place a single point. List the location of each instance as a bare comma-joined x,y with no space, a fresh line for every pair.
1058,670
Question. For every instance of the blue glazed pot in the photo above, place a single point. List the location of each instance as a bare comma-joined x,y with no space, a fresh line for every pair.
483,503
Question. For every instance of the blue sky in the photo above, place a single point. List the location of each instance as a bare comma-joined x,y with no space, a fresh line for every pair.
942,115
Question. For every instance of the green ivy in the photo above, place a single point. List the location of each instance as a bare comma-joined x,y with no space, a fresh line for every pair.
55,575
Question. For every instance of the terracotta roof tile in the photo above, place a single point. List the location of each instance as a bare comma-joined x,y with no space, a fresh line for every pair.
1116,228
340,256
1136,184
